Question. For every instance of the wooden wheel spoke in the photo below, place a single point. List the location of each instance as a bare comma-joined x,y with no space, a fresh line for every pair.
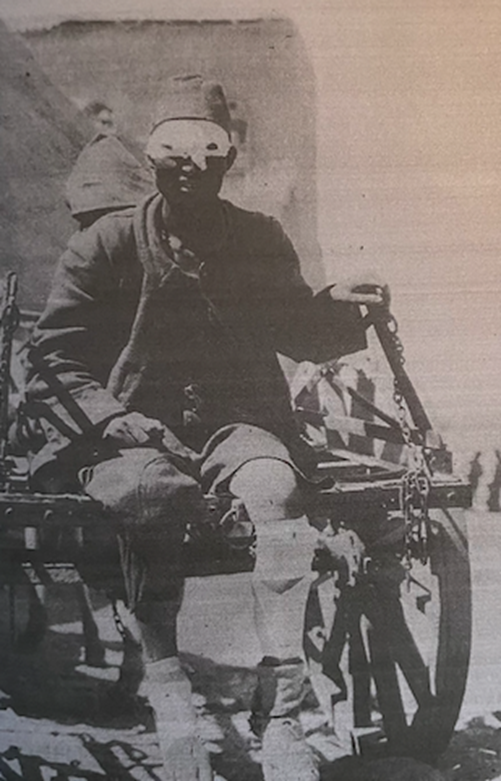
414,663
360,670
407,655
388,689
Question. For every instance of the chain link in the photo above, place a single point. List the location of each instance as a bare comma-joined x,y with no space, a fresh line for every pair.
9,321
416,483
118,621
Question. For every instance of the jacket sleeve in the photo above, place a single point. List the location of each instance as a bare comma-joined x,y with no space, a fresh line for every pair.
75,337
304,326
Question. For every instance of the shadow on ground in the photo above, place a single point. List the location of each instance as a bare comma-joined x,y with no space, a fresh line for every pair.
62,720
116,760
475,751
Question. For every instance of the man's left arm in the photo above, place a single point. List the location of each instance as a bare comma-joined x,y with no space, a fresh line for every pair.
305,326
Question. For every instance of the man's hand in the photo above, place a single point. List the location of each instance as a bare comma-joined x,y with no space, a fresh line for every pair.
369,291
134,429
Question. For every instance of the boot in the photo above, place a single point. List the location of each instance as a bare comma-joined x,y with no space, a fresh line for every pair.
169,692
285,753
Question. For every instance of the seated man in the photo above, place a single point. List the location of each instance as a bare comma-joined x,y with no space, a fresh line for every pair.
164,324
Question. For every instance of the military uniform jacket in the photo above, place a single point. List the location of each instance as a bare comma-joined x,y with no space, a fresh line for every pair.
125,328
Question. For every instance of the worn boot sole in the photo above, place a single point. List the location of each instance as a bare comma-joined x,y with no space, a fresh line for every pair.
184,758
169,693
285,754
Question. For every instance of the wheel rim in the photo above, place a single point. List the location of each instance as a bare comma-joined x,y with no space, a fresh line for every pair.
403,648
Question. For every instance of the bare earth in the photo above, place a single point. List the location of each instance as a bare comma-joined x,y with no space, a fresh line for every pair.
61,719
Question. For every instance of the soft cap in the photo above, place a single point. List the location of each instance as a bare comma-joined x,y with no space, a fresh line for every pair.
191,97
106,176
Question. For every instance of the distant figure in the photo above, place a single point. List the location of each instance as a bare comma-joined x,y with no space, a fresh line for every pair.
101,116
106,177
476,472
495,487
238,126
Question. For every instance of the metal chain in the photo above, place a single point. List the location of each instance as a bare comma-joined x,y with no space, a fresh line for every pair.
416,482
9,320
122,631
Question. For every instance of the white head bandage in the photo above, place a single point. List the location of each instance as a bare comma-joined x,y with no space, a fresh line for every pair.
187,138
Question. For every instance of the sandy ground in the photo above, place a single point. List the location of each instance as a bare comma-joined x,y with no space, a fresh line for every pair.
62,719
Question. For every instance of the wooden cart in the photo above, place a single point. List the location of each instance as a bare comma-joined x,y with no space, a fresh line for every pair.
388,622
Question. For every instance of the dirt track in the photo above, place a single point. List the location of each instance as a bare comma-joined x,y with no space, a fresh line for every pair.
60,719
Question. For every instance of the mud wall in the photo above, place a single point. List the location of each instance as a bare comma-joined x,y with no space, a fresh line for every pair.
266,73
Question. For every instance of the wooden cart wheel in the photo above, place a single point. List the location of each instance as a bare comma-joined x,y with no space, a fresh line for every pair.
397,650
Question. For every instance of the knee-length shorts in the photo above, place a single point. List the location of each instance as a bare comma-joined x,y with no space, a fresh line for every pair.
149,497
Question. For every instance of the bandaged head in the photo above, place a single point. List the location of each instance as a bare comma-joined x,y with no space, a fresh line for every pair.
187,138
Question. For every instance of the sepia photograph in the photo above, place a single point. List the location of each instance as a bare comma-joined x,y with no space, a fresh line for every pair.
250,372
